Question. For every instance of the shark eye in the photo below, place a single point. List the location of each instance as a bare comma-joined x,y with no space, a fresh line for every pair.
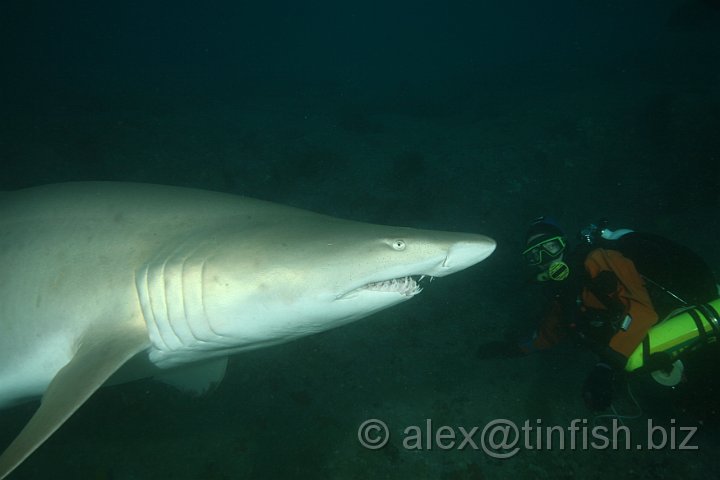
398,244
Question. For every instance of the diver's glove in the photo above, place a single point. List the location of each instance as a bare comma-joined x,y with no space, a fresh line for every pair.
597,389
499,349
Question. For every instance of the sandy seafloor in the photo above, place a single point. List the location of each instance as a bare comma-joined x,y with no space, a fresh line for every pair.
631,135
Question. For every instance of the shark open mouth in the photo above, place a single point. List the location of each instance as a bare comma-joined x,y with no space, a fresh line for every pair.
407,286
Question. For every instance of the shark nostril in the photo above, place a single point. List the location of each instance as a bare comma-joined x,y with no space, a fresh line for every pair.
445,262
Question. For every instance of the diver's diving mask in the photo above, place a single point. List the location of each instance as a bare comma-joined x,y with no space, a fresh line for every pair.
544,251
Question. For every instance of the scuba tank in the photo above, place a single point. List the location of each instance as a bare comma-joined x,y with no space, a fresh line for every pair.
683,292
660,351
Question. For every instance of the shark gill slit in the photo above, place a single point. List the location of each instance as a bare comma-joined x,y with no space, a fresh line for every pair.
150,307
165,285
202,297
196,279
182,295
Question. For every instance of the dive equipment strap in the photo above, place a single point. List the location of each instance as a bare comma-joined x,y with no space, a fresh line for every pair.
646,349
662,288
711,315
698,324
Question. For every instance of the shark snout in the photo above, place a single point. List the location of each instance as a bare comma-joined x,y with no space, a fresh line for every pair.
464,254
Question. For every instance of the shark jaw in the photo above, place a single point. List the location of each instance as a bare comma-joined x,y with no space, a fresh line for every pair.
406,286
457,257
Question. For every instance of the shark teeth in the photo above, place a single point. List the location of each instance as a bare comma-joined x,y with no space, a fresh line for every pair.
405,286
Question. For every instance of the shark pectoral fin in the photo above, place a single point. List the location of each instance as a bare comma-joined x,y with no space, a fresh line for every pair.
197,378
98,356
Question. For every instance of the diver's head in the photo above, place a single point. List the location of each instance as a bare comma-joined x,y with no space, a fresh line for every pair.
545,245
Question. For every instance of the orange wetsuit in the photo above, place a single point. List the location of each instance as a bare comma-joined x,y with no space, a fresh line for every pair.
628,294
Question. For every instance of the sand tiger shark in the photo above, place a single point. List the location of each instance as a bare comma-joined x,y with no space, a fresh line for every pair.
103,281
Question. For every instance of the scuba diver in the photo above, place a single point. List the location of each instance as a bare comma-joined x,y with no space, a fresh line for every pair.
609,292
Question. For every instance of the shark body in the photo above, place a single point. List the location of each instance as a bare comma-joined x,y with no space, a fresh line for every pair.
119,281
